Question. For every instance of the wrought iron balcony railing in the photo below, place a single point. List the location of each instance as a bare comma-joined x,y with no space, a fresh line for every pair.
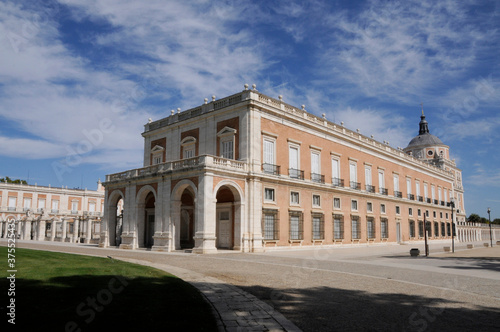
398,194
383,191
370,188
355,185
411,197
271,169
336,182
296,173
315,177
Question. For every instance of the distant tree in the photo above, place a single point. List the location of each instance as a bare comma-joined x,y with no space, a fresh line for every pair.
16,181
484,220
496,221
474,218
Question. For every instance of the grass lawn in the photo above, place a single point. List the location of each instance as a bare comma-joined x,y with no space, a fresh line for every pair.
65,292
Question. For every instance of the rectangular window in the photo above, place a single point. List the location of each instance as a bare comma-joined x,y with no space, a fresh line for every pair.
269,152
445,192
91,206
338,227
425,191
408,187
316,200
436,229
27,203
74,207
384,230
369,207
443,234
398,210
396,182
336,203
382,208
353,176
318,227
433,192
434,214
227,148
296,226
12,203
293,156
294,198
440,195
427,213
270,224
315,163
412,229
355,228
368,175
410,211
55,206
354,205
157,159
269,194
417,188
419,212
420,229
335,172
41,204
441,215
370,228
189,152
381,181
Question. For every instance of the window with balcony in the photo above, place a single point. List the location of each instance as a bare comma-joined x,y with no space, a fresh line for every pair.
12,203
55,206
294,170
41,204
353,176
227,142
368,179
27,204
336,180
316,175
381,182
269,157
74,207
397,193
157,155
188,145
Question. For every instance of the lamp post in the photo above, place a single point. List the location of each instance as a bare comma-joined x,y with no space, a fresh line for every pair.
489,219
452,204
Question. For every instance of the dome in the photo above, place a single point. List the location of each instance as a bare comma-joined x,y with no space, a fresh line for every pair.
424,139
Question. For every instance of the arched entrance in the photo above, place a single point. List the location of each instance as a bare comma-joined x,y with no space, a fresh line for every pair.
149,220
115,219
226,214
187,220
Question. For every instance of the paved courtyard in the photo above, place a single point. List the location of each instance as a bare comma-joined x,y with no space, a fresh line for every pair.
378,288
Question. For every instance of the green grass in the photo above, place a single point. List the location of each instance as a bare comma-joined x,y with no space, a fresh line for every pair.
54,292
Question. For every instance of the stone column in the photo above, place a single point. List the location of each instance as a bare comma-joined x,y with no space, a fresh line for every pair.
204,239
175,214
76,231
41,230
88,236
53,230
64,229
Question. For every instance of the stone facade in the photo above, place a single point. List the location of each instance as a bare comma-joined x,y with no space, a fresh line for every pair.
252,173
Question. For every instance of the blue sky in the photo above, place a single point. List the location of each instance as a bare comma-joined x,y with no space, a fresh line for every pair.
79,78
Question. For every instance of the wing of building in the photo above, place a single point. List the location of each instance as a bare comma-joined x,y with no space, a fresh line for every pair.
44,213
252,173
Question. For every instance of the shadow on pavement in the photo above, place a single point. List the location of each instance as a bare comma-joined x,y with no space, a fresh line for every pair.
332,309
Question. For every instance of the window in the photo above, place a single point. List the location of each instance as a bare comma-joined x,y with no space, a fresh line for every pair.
448,229
270,225
410,211
294,198
436,229
434,214
316,200
269,156
338,227
384,230
440,195
425,191
336,203
368,175
296,226
427,213
354,205
293,161
433,192
91,206
41,204
27,203
74,207
417,188
369,207
398,210
445,192
382,208
412,228
420,229
315,166
396,182
55,206
370,228
227,139
318,227
419,212
157,155
355,228
353,177
269,194
12,203
443,229
408,187
440,214
446,215
381,181
189,152
335,172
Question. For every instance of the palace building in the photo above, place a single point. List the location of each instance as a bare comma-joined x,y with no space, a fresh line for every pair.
252,173
45,213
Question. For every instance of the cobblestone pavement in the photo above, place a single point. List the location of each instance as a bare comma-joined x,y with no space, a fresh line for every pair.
377,288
